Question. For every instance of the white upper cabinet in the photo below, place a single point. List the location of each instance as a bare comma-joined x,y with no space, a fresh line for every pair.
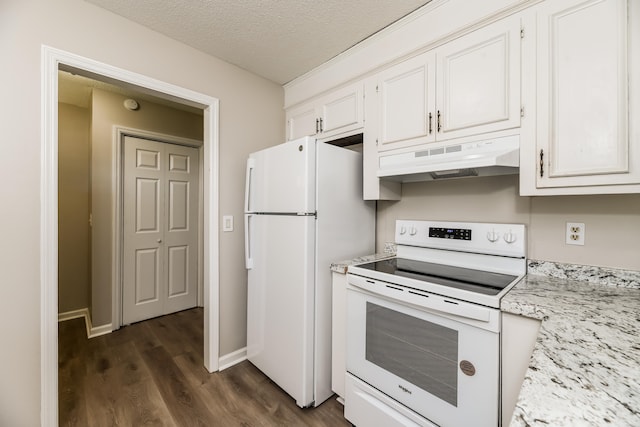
581,135
406,95
466,87
373,187
478,79
338,113
302,121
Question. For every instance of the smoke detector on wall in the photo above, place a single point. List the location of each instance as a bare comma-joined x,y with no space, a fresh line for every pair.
131,104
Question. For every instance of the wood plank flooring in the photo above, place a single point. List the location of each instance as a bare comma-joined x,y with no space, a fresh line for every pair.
152,374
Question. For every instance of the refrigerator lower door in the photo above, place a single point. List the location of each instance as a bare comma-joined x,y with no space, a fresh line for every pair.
280,302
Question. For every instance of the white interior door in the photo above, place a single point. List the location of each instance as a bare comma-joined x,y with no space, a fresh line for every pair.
160,211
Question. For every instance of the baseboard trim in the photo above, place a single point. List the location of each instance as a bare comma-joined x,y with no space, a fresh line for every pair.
83,313
74,314
228,360
96,331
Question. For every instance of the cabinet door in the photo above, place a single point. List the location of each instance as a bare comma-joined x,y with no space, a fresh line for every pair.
302,121
582,74
374,188
478,81
406,103
341,111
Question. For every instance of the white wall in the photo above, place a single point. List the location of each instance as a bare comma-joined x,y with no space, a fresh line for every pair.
612,221
251,118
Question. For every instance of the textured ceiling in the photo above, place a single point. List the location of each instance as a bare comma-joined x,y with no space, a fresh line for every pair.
277,39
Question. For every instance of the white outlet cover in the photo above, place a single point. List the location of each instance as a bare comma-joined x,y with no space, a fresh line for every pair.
574,234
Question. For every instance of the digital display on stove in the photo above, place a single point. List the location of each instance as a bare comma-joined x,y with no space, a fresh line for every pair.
450,233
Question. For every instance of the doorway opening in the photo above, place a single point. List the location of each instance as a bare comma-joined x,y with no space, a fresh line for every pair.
52,61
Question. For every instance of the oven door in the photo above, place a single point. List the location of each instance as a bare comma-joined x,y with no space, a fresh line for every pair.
440,366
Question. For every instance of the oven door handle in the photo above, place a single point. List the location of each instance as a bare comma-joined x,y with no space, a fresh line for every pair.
444,305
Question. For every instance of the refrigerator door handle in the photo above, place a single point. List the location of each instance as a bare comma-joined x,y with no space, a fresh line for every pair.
248,259
251,164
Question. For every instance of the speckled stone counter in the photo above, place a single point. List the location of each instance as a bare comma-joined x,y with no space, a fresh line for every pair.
585,367
341,266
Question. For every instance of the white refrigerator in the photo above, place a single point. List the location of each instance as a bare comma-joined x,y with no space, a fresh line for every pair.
303,211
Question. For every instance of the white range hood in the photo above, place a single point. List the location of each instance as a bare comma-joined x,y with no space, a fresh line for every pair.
497,156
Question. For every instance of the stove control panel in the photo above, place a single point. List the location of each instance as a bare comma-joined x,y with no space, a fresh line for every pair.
450,233
478,237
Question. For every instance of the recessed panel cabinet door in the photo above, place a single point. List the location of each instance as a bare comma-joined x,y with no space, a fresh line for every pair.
340,112
582,77
406,94
160,243
478,77
301,122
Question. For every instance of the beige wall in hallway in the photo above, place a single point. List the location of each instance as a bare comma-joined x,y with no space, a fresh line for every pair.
612,221
73,208
251,118
108,110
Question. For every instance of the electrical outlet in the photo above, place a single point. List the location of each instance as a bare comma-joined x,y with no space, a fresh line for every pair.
575,233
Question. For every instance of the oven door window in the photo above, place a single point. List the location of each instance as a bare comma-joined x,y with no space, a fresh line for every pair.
418,351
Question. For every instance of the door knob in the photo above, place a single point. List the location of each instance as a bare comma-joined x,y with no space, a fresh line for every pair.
159,240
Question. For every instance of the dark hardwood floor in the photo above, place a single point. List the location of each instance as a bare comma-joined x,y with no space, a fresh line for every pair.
152,374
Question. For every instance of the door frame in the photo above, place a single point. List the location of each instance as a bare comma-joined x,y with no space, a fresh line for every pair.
52,60
119,133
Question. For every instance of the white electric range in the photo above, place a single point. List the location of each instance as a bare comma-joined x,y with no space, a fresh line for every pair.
423,328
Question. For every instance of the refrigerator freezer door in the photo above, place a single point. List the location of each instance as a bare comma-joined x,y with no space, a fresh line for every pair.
281,179
280,302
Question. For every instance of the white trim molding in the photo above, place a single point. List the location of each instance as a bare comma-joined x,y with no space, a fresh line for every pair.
74,314
233,358
96,331
83,313
51,61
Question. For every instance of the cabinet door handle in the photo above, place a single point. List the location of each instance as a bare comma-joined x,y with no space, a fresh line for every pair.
541,163
317,125
430,123
439,124
321,125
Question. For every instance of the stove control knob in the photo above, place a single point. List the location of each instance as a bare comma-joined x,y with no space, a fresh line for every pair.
403,230
510,237
413,231
492,236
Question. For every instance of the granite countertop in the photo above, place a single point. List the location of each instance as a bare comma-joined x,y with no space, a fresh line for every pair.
341,266
585,366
